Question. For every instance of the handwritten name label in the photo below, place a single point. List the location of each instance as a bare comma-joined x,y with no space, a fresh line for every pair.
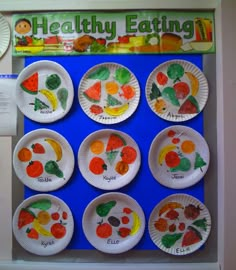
44,179
45,111
112,242
175,116
106,117
45,244
177,176
109,178
181,250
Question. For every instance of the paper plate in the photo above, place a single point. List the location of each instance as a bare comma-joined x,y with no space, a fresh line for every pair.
43,160
109,93
180,224
178,157
113,223
109,159
5,35
177,90
43,224
44,91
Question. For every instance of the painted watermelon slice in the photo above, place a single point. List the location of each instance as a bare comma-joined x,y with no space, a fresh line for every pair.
115,141
190,106
30,85
192,236
93,93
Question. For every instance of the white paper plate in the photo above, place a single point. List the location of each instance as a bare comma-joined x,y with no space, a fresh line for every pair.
109,106
113,223
43,224
177,90
178,157
5,35
109,149
180,224
29,162
43,104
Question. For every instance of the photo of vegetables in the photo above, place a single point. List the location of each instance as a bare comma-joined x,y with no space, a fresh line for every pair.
113,222
40,160
43,224
176,90
179,224
44,91
178,157
109,159
109,93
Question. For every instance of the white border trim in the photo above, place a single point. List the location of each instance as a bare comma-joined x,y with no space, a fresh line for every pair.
106,266
26,5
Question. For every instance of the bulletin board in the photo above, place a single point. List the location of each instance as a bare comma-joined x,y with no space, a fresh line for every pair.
142,126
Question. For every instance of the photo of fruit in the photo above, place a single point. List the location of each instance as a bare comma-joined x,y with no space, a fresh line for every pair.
179,157
109,93
113,222
109,159
180,224
43,160
43,224
44,91
177,90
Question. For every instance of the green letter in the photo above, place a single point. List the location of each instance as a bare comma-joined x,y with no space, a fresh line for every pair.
188,28
54,28
144,27
36,25
111,29
67,28
130,23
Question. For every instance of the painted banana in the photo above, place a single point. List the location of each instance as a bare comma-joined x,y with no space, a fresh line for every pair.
56,147
117,110
51,98
40,229
170,206
194,82
164,151
136,223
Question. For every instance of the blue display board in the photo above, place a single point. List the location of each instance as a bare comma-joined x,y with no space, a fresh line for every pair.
142,126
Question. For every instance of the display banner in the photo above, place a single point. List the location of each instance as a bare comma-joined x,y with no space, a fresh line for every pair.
130,32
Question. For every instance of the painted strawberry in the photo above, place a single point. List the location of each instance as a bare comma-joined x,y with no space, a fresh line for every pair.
124,232
127,210
38,148
32,233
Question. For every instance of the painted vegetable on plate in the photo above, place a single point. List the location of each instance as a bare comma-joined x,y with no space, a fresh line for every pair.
112,88
119,224
108,159
180,154
46,99
116,153
177,90
179,224
35,220
34,158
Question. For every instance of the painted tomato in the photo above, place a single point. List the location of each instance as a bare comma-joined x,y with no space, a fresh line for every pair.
97,165
34,169
58,230
104,230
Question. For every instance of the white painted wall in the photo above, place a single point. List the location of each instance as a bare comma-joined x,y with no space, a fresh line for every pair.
226,133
